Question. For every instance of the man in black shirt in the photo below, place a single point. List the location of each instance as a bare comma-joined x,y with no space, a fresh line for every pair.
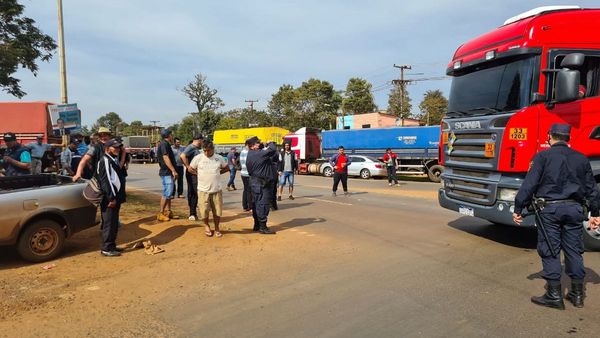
167,173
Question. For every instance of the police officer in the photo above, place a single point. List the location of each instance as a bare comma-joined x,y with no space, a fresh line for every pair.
16,160
563,178
262,178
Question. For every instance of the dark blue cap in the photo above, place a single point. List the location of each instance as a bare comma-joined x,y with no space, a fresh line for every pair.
165,133
112,143
560,129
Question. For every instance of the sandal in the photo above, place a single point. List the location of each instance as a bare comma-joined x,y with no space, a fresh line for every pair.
208,233
218,234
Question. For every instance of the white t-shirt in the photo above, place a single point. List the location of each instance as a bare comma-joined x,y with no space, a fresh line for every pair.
209,172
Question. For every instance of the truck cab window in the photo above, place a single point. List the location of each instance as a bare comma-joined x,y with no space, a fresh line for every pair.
589,72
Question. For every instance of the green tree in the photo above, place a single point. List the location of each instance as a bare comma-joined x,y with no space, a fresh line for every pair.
133,129
21,45
316,105
282,106
398,104
433,107
111,121
207,102
359,98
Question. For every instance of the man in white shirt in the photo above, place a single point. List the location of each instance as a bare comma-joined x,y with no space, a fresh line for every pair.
209,168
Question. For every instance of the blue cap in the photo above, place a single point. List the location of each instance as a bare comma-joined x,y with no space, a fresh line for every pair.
165,133
560,129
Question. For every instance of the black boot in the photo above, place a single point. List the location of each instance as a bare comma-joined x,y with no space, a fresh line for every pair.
265,230
552,298
576,294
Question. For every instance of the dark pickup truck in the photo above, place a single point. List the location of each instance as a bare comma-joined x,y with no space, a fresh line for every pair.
38,212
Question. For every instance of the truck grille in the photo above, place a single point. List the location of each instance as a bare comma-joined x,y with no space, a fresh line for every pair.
469,179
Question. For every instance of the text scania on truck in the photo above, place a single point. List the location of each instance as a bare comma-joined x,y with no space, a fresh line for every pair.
509,86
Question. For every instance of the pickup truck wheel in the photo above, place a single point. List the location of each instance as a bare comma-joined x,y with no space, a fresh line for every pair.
328,172
434,173
365,173
41,241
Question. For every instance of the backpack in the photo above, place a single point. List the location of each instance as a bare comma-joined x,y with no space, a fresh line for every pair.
92,192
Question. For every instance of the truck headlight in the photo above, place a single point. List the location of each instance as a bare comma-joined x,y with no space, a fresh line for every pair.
506,194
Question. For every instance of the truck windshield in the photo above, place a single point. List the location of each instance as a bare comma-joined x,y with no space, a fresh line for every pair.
492,89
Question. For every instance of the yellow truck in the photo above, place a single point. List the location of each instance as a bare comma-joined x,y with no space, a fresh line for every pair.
225,139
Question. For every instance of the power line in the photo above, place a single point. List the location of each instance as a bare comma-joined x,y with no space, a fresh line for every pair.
251,104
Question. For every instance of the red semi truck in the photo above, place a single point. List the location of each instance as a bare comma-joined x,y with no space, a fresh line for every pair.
509,86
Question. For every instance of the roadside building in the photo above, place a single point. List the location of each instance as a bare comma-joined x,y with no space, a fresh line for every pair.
378,119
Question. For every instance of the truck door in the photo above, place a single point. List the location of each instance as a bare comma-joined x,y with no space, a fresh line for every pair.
582,114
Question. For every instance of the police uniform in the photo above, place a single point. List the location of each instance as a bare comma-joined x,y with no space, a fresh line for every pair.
262,172
563,178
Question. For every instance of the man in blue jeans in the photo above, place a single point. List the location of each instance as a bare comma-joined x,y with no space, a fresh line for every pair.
232,163
167,173
287,166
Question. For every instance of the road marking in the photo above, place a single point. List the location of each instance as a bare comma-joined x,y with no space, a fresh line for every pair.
327,201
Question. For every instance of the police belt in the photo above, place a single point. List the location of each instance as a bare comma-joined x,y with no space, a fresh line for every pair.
568,200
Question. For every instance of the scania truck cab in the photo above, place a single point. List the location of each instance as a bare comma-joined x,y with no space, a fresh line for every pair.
508,87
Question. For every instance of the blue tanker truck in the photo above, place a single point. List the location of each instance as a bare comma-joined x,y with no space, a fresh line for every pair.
416,147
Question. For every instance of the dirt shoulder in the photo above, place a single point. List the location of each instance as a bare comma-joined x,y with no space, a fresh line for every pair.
86,293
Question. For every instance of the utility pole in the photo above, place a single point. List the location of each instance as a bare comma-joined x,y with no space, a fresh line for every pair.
61,56
402,85
251,103
154,122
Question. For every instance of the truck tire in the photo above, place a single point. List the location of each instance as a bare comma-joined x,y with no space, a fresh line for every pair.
365,173
328,171
591,239
41,241
434,173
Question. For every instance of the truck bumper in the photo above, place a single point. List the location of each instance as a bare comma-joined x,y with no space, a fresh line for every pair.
500,213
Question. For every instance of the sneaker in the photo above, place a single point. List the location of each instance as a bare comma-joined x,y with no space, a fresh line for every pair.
390,184
233,187
192,218
162,217
346,193
113,253
397,184
291,197
279,198
180,196
334,194
169,214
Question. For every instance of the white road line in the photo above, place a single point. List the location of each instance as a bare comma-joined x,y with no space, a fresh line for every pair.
327,201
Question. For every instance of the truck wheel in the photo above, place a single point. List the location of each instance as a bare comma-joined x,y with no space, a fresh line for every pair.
365,173
41,241
328,172
591,239
434,173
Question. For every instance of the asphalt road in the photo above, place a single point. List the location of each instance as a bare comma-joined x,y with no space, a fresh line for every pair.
383,262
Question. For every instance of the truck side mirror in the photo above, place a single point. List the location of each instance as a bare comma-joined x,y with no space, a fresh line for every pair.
567,86
572,60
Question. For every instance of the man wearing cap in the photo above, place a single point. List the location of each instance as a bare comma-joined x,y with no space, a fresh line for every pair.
66,158
94,154
112,183
167,173
16,160
191,151
38,149
259,163
563,178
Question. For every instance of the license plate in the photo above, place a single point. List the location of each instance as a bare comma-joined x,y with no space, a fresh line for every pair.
466,211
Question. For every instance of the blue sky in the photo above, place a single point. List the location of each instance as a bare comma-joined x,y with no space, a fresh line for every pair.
131,56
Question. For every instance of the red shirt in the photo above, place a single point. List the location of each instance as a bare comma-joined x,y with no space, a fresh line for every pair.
387,157
342,159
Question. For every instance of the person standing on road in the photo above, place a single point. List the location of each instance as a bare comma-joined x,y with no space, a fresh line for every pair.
260,167
340,163
288,165
111,180
16,160
275,159
209,168
563,178
38,149
191,151
177,151
247,193
167,173
391,161
232,163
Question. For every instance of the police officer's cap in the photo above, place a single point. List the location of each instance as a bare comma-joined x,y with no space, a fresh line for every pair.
253,140
560,129
9,137
165,133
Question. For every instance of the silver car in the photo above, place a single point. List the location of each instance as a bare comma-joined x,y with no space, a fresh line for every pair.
363,166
